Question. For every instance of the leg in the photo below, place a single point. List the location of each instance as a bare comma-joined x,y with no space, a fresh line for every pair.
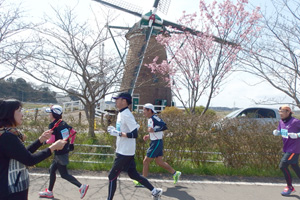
65,175
287,175
133,174
296,169
52,171
146,164
295,165
159,161
118,166
288,159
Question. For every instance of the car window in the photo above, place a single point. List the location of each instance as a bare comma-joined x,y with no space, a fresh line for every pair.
249,113
266,113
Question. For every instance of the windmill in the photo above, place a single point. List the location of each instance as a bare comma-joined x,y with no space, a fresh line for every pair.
144,86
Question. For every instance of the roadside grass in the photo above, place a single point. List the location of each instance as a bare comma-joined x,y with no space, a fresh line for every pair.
188,168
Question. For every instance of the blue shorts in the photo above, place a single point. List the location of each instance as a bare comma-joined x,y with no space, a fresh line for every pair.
156,149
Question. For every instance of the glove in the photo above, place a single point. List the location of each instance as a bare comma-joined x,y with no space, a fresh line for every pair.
71,147
276,132
293,135
113,131
110,128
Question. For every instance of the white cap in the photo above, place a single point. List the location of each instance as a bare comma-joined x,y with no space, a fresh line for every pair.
150,106
55,109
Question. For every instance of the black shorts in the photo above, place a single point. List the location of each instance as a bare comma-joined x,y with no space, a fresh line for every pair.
156,149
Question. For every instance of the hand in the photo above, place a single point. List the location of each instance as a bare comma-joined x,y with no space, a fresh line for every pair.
71,147
45,136
293,135
146,137
110,128
276,132
58,145
114,132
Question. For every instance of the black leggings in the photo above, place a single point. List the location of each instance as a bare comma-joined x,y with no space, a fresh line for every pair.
63,173
124,163
289,159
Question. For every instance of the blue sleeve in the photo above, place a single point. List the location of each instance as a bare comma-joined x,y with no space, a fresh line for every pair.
132,134
158,124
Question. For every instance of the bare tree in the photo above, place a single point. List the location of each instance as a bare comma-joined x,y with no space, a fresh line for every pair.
12,24
276,55
70,56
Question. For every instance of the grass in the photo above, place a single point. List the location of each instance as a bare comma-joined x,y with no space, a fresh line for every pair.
188,168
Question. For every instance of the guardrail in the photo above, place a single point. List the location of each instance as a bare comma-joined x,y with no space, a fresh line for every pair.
88,153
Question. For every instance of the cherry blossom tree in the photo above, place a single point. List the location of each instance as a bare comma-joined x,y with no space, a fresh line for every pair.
198,64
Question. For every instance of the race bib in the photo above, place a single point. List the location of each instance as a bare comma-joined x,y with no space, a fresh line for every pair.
65,133
284,133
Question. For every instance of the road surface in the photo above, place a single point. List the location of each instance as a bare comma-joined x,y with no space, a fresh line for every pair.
188,188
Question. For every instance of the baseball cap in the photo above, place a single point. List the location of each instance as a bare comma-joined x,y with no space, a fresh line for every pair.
124,95
150,106
286,107
56,109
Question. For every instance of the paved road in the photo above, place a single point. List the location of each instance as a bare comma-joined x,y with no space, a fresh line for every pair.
189,188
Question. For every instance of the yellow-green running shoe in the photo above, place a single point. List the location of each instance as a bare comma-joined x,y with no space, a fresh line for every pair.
176,176
138,184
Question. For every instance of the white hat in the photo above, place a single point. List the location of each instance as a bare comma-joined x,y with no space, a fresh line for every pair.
150,106
55,109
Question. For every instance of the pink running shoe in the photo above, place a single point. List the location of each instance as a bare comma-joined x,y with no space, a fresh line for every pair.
83,189
46,194
288,190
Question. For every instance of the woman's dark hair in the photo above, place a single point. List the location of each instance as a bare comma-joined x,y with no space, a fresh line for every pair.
7,112
56,116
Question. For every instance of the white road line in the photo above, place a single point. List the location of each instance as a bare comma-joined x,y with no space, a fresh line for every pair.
181,181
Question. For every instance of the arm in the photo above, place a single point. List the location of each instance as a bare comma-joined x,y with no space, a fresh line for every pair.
132,134
158,124
16,150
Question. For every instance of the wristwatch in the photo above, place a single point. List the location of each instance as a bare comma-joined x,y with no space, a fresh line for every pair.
120,134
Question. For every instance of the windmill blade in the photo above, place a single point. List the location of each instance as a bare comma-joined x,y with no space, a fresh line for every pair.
123,6
163,6
141,59
195,32
112,36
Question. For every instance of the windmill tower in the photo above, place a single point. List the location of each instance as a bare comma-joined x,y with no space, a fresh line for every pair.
144,86
149,87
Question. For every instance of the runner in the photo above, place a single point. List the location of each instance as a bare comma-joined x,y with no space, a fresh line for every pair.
126,132
156,126
61,130
289,129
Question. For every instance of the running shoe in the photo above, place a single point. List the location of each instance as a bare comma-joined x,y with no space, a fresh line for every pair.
287,191
83,189
156,193
138,184
176,176
46,194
